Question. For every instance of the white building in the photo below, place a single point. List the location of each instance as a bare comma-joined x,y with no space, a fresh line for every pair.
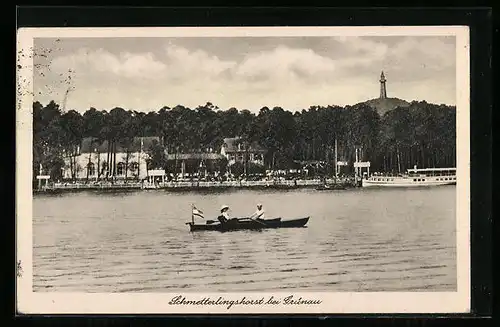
91,161
234,150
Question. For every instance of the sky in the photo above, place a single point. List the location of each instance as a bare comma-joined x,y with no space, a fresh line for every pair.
146,74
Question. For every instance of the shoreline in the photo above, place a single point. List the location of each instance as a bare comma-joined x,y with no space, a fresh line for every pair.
194,186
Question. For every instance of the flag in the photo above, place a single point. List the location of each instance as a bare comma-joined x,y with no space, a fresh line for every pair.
198,213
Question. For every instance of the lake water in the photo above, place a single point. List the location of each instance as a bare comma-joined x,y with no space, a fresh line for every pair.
355,240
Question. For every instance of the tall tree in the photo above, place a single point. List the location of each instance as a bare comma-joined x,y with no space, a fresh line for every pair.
72,133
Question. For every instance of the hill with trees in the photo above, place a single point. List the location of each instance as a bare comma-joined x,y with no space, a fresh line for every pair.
384,105
420,134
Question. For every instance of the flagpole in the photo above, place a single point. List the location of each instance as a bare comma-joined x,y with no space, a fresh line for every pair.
192,214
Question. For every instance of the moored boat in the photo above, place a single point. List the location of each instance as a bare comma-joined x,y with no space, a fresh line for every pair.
331,187
248,224
414,177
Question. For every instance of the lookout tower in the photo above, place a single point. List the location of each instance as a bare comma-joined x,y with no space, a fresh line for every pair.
383,91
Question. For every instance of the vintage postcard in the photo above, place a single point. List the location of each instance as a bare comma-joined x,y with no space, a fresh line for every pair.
317,170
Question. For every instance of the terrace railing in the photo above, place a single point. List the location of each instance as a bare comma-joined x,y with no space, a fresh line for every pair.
195,184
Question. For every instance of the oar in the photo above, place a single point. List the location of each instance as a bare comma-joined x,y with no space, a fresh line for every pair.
258,221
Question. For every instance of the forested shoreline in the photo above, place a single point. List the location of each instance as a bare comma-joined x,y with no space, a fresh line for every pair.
422,134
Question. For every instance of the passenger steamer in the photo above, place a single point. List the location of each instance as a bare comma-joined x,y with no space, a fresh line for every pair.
414,177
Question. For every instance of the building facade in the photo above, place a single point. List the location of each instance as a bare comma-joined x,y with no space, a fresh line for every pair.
189,163
235,150
91,160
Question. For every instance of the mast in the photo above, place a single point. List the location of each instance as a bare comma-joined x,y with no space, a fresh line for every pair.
327,161
40,171
88,164
139,161
192,214
98,175
356,169
335,161
399,162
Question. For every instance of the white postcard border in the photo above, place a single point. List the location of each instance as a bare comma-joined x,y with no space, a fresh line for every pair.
30,302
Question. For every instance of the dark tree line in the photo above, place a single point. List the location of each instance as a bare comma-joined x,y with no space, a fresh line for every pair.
422,134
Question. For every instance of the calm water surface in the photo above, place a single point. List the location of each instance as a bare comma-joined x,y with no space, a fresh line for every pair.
356,240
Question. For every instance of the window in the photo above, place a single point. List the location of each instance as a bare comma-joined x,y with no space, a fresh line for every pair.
119,168
134,167
91,169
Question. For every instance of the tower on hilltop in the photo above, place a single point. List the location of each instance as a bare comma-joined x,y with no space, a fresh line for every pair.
384,104
383,91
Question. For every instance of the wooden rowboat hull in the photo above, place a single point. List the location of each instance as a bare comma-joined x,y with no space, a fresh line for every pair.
236,224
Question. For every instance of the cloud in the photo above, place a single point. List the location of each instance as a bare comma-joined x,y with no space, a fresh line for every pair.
183,62
408,57
126,64
431,52
295,75
360,51
284,63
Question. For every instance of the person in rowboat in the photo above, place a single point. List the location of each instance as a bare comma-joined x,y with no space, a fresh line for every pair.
259,213
224,214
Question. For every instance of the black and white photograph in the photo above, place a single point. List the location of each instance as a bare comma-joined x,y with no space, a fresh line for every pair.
243,170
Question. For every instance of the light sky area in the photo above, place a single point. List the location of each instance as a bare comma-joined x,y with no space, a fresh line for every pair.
146,74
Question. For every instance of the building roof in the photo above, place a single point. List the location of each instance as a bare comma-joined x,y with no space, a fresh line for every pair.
195,156
91,144
231,145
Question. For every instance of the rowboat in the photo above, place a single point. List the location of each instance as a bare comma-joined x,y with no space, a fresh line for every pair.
248,224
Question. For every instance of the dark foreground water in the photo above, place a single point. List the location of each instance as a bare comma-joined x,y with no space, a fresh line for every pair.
356,240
